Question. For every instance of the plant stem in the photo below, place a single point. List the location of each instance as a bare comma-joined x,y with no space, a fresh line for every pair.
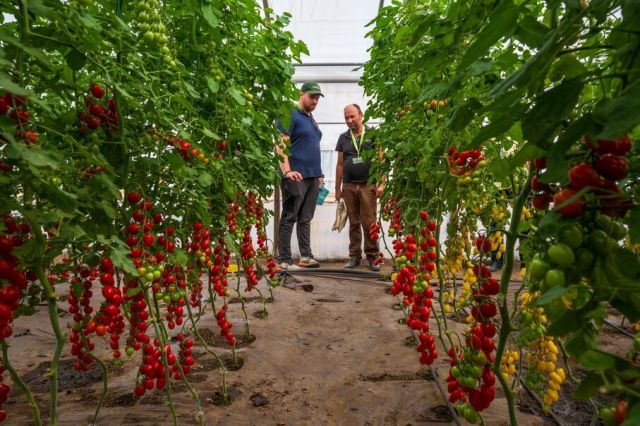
161,334
21,384
105,382
506,326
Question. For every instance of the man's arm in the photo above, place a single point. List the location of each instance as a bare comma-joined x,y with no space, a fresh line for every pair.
339,175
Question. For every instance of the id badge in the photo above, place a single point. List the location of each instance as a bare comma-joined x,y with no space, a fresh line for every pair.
357,160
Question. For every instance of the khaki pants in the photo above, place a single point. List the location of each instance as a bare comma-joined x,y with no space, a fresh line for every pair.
361,203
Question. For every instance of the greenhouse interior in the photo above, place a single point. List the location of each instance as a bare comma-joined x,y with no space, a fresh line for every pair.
407,212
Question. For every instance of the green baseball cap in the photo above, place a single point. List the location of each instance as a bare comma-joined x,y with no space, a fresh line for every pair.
312,88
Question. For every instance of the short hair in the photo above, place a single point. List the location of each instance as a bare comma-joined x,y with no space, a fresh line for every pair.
356,106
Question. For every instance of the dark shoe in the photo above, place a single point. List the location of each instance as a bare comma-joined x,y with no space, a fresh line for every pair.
372,265
352,263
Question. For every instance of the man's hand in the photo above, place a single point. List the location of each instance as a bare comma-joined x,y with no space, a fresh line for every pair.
295,176
338,194
379,190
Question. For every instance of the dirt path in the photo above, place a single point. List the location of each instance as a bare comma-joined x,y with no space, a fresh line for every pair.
331,351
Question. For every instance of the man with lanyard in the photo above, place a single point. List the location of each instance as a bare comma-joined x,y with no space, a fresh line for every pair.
301,177
360,198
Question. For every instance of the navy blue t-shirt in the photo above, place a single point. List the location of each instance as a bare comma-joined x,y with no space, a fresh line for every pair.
304,151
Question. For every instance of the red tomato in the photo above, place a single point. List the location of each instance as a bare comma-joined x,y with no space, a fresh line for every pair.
572,209
536,185
582,175
97,90
613,167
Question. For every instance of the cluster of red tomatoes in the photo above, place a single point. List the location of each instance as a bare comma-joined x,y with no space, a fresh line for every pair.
471,377
186,150
374,234
152,371
97,113
464,161
225,325
600,176
15,107
12,280
219,269
392,212
12,283
413,282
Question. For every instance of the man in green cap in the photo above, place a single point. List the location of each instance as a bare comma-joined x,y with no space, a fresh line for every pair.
301,177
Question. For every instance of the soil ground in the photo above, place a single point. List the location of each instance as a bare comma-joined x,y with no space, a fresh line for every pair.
330,351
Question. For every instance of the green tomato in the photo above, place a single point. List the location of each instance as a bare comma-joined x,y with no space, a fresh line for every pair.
554,277
619,231
608,416
129,351
166,298
149,276
561,254
571,235
467,381
538,268
471,415
605,222
475,371
598,241
157,274
584,259
455,371
480,358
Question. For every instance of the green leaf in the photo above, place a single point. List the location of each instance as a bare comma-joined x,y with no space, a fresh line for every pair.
33,155
7,85
75,59
433,91
236,95
500,23
205,179
212,84
551,295
180,256
533,68
133,291
634,225
567,323
580,342
620,115
461,117
107,208
589,386
29,251
597,360
633,416
568,66
210,15
59,198
530,31
71,232
549,111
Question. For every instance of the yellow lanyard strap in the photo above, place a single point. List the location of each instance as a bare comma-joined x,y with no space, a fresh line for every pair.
359,144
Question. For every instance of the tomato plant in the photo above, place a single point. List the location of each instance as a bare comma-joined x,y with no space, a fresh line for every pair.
547,100
124,145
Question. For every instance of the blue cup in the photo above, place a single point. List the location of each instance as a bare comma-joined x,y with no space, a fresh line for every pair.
322,194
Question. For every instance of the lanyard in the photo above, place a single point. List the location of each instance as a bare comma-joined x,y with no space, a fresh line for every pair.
353,140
